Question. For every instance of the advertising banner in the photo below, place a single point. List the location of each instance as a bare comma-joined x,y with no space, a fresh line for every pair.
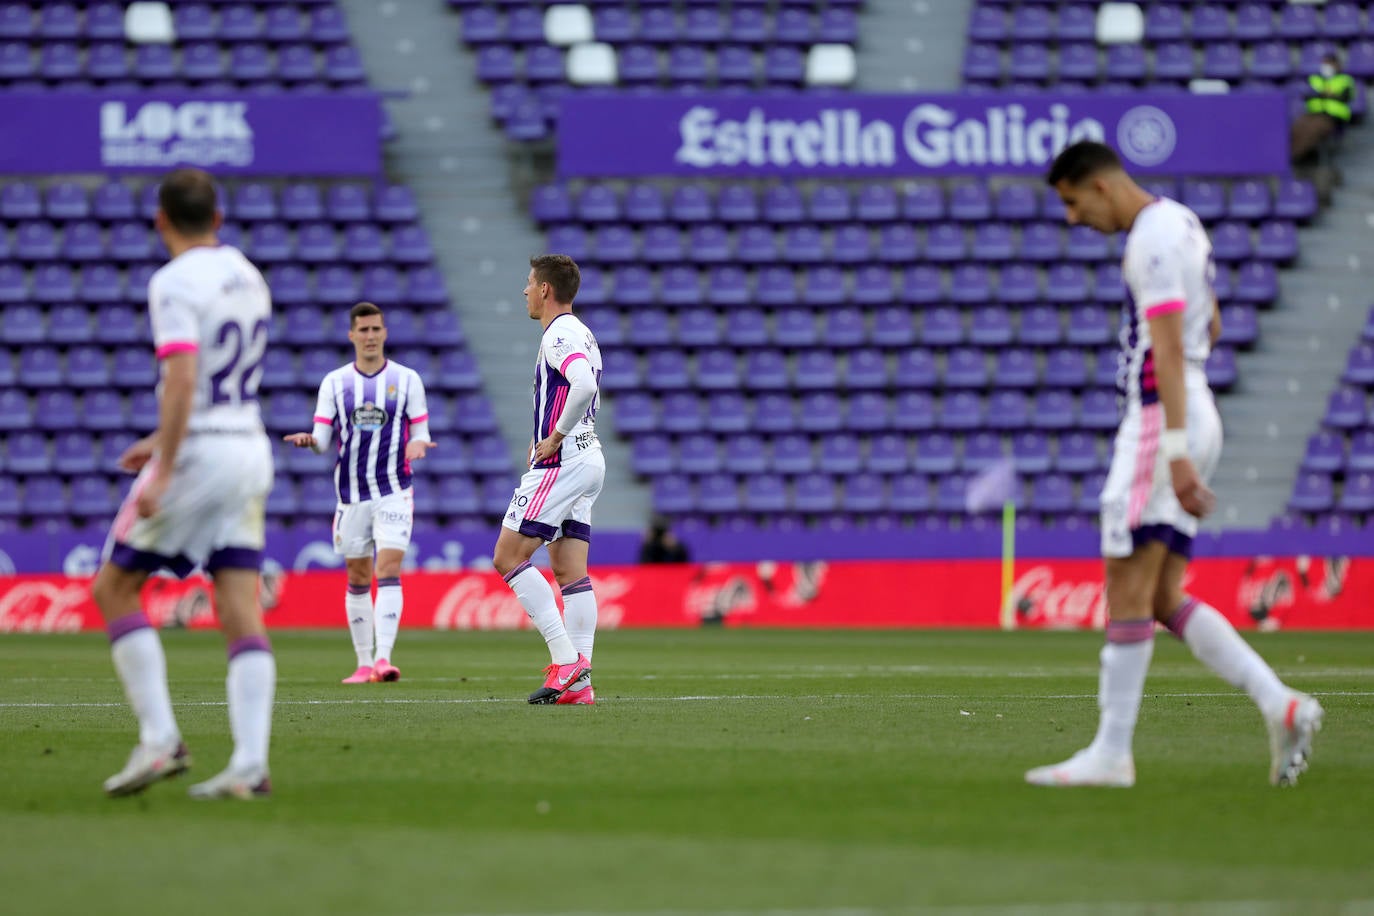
226,134
1268,593
711,135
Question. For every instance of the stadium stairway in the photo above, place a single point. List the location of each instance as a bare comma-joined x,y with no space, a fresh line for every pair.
912,45
1285,381
459,168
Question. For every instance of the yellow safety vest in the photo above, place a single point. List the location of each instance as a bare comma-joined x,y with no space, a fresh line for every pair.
1338,85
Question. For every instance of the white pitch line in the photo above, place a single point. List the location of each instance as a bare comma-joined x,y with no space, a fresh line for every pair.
1095,908
697,698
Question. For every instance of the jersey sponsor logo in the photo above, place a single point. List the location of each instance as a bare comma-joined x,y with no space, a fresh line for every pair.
370,417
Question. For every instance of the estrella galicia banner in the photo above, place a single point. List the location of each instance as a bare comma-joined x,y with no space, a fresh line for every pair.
607,134
238,134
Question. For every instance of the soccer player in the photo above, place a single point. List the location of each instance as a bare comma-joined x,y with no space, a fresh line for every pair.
553,503
1166,450
200,495
379,408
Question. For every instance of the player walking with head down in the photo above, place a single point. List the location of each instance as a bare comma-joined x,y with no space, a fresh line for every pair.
379,409
201,493
1167,447
553,503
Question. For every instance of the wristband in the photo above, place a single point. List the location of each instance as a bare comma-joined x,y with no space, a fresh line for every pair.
1174,444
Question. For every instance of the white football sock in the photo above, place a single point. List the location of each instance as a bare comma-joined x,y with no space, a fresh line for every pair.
389,601
579,614
1217,645
142,668
358,606
1125,660
251,683
537,598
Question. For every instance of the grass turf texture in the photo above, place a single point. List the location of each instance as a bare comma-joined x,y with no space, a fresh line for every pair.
722,771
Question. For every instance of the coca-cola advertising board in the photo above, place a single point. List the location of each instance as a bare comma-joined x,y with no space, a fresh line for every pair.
1270,593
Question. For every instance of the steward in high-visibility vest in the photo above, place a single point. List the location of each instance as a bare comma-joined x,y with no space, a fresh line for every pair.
1332,93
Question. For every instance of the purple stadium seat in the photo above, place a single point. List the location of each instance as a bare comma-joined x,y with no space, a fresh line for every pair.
1029,63
250,63
283,24
717,370
54,283
815,369
803,244
945,242
35,241
872,286
1066,283
1077,454
1125,63
23,324
27,453
301,202
1089,325
658,26
970,284
718,493
1098,411
869,412
981,450
774,413
143,411
696,455
1312,493
993,242
1054,410
1052,494
133,369
1361,451
1040,327
1296,199
1254,22
982,63
1357,495
202,61
726,412
87,367
963,411
704,26
777,286
43,497
727,286
865,369
1031,453
69,324
1174,60
1270,60
792,454
1223,61
1359,367
765,370
1339,20
1277,241
55,411
888,454
793,329
690,203
843,328
1106,368
1008,411
1325,454
913,411
1239,326
814,493
940,327
935,454
969,201
1041,242
1015,368
1255,282
82,241
66,200
1231,242
783,65
830,203
1210,23
16,61
1085,244
823,286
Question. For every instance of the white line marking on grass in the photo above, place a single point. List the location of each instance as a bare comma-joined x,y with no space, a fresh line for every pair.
1095,908
694,698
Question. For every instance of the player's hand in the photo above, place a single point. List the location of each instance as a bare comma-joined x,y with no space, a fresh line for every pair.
300,440
416,449
136,455
1193,495
150,496
546,448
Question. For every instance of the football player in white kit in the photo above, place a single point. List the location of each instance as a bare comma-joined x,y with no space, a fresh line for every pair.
379,409
1166,450
553,503
200,495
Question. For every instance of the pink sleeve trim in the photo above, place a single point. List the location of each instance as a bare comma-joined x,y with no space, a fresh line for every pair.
176,346
327,421
1165,308
420,419
563,369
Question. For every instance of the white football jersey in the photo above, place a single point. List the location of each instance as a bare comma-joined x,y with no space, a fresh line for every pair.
1167,266
565,339
373,415
213,302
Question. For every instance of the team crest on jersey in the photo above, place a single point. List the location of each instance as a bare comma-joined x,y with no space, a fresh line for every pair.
369,417
391,391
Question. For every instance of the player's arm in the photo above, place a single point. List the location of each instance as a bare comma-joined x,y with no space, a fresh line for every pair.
581,392
318,439
174,413
1166,339
1214,327
417,415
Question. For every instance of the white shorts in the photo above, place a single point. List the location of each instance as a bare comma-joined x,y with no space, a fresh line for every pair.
385,521
1138,501
213,513
553,502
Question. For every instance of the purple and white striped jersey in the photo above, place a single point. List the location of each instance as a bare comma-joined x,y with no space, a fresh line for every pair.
373,416
565,341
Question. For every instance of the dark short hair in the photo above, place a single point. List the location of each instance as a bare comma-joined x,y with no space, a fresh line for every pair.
1082,160
363,310
560,272
188,198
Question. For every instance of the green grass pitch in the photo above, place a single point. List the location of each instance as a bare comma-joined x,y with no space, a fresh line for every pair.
820,773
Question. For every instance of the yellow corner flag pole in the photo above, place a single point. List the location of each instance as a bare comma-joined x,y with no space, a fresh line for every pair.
1008,563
